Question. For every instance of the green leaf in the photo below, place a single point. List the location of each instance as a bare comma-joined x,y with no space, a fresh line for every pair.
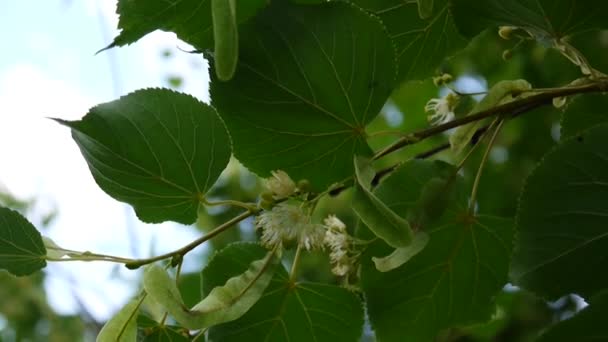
381,220
423,32
544,18
22,250
453,280
191,20
158,150
309,79
225,35
123,326
588,325
288,311
224,303
585,112
562,220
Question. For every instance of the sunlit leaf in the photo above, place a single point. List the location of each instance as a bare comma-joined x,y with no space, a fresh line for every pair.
288,311
122,326
562,221
381,220
423,32
304,110
223,304
453,280
22,250
156,149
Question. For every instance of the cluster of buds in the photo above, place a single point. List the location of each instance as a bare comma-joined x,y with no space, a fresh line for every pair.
441,110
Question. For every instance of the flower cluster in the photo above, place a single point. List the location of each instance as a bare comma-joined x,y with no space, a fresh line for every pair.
285,224
441,110
340,244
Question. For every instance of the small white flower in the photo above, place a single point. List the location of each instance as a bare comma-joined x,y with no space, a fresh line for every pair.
339,243
280,184
286,224
332,222
441,110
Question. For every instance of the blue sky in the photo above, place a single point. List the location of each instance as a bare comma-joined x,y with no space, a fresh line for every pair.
48,68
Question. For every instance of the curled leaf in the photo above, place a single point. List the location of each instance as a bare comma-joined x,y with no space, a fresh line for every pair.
123,326
402,255
380,219
223,304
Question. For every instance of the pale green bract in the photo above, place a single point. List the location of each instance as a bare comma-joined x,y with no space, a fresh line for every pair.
381,220
225,36
402,255
500,92
223,304
123,326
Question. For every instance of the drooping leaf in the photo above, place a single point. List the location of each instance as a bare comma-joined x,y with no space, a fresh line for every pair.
223,304
401,255
453,280
288,311
123,326
22,250
545,18
588,325
562,220
191,20
380,219
158,150
423,32
309,80
226,38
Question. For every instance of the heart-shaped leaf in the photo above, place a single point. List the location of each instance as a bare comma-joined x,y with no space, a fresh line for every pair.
191,20
423,32
22,250
454,279
288,311
156,149
562,220
309,79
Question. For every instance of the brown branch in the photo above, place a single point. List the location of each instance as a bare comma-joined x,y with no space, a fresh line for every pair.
509,109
